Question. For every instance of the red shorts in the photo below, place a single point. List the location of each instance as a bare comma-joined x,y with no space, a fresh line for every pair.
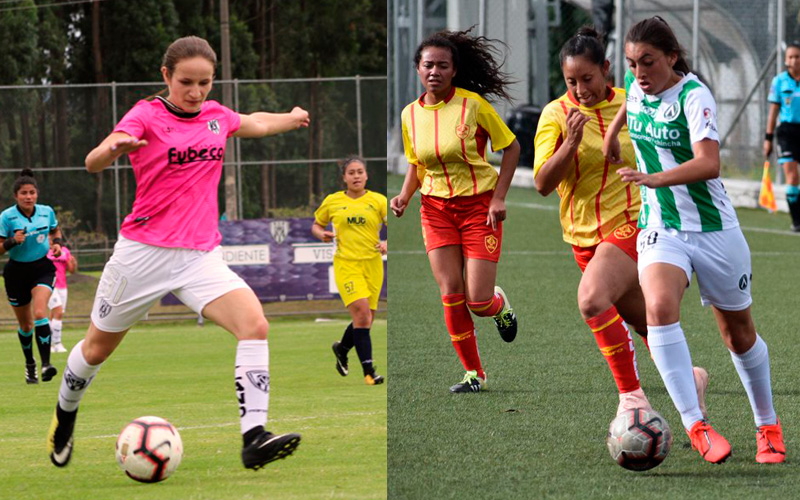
623,237
461,221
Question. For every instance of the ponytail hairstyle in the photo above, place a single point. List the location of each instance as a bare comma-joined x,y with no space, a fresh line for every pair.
348,160
187,47
587,43
474,61
656,32
25,177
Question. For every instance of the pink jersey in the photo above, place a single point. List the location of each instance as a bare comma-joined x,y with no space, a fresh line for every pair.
61,266
177,173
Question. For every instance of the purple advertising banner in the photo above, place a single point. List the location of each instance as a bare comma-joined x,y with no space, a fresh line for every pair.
279,259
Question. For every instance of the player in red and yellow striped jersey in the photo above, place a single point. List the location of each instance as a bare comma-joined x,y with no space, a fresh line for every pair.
598,211
357,215
445,134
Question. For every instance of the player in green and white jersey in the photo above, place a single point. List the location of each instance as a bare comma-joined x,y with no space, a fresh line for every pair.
688,225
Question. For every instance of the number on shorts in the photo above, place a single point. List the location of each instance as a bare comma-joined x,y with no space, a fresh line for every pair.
648,241
349,287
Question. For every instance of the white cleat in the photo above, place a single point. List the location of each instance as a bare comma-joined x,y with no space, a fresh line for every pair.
58,348
701,382
633,399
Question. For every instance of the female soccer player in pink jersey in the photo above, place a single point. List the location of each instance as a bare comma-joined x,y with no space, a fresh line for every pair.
65,262
170,242
598,211
445,134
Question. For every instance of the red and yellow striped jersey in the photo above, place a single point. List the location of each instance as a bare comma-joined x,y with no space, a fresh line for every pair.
594,201
447,143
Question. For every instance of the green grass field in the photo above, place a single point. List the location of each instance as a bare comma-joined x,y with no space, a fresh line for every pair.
539,431
184,373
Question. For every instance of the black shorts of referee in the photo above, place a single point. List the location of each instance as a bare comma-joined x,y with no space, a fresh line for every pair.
788,139
21,277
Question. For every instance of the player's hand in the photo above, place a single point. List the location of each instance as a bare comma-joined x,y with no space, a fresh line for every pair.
19,236
301,117
328,236
612,150
127,146
56,250
398,204
638,178
575,123
382,247
497,213
767,148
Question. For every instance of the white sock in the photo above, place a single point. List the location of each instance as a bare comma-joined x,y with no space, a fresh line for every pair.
753,370
670,353
252,383
55,327
78,374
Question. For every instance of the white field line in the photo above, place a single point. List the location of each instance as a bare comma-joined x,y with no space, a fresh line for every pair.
225,424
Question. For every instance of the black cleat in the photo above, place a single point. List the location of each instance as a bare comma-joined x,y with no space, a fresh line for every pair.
31,376
373,378
59,438
341,359
506,320
48,372
268,447
471,383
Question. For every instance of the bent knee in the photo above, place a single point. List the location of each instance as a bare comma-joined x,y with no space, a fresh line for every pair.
662,312
255,330
592,303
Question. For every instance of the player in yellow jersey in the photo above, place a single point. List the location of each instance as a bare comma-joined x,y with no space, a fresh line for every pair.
445,134
357,215
598,211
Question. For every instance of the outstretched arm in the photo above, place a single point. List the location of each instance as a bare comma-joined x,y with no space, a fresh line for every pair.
262,124
112,147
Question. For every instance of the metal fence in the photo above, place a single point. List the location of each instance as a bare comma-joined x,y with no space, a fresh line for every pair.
51,128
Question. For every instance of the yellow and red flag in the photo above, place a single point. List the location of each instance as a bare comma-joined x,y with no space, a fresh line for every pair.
766,197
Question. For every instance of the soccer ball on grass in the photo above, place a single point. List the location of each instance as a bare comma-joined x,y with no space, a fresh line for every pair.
149,449
639,439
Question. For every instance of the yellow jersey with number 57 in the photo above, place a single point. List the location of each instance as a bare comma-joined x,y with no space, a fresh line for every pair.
356,222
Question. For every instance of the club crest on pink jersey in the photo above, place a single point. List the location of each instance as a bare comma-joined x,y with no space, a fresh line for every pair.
213,126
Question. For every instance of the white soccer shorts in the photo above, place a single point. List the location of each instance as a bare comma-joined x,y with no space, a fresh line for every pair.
58,299
721,260
139,275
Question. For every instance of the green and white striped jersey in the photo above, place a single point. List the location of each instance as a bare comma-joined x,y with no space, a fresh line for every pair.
663,128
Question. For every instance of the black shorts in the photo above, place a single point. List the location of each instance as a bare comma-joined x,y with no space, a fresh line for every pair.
788,135
22,277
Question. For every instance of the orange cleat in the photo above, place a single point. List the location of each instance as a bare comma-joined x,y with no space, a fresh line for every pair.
770,444
712,446
632,400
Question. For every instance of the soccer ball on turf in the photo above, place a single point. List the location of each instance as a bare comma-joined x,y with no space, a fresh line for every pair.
639,439
149,449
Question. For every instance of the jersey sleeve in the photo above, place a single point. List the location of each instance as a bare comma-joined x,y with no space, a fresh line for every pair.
408,143
134,122
233,118
322,214
774,92
383,203
5,230
701,115
53,222
547,140
499,132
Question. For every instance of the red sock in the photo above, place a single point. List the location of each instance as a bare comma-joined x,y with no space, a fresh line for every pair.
462,331
491,307
616,344
643,336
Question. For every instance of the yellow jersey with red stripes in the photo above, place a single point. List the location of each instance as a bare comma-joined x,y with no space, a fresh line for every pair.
594,201
447,143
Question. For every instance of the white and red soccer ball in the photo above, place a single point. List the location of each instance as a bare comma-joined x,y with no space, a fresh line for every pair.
149,449
639,439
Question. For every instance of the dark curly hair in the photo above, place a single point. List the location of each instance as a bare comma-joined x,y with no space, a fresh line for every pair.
25,178
474,58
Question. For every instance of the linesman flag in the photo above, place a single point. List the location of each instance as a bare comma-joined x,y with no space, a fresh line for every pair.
766,197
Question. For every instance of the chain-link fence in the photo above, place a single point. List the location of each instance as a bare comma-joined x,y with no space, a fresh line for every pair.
52,128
